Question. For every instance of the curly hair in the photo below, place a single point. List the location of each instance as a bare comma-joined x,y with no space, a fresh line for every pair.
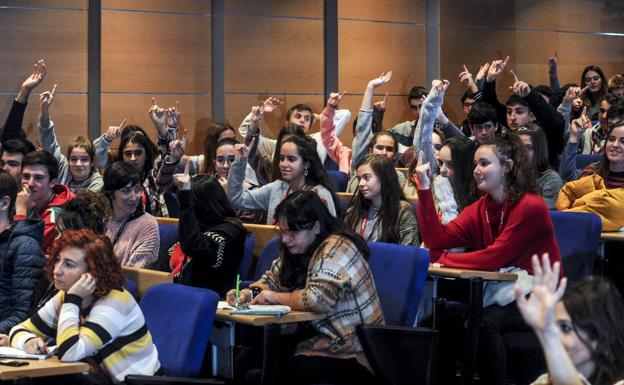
99,256
88,209
596,308
521,178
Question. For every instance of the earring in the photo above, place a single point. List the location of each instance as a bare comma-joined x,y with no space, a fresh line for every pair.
305,172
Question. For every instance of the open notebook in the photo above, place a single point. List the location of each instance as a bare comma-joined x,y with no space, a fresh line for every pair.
274,310
7,352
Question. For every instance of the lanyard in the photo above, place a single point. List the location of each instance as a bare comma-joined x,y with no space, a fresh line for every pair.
364,222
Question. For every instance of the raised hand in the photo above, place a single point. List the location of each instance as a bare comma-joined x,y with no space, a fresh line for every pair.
496,68
422,173
173,115
466,77
539,310
578,126
520,88
552,64
159,117
573,93
183,181
271,104
45,99
439,86
84,287
241,152
114,132
381,105
335,98
39,73
381,80
257,112
483,70
176,149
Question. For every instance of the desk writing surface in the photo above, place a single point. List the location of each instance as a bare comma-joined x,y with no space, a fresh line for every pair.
41,368
467,274
612,236
261,320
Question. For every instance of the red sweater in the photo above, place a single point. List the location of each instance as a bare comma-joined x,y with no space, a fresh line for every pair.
524,229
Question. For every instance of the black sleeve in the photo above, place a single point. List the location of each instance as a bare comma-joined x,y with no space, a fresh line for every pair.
489,96
13,126
552,122
378,116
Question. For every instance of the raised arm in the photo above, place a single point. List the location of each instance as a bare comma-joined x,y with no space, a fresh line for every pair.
489,89
567,167
552,73
168,167
166,122
102,143
423,136
256,199
48,135
335,149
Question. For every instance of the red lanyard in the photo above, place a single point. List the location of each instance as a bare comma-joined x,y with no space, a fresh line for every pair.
364,222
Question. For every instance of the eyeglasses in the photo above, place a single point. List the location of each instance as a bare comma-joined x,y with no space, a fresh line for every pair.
281,232
590,78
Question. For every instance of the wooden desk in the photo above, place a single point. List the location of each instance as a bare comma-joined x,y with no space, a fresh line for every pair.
223,342
145,278
263,234
345,196
612,236
41,368
450,272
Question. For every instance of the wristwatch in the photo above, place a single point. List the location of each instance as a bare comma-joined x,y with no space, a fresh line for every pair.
255,291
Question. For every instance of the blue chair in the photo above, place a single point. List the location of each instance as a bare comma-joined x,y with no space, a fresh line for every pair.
399,353
584,160
168,237
340,180
179,318
132,287
267,256
399,273
578,237
245,265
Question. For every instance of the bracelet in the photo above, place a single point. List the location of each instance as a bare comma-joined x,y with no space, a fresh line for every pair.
255,291
332,105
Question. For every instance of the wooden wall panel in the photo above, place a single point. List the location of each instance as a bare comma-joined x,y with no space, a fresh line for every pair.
273,55
366,49
178,6
290,8
59,37
155,53
196,114
68,4
409,11
69,113
238,106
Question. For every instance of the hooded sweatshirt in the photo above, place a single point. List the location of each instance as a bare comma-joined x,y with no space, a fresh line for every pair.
21,266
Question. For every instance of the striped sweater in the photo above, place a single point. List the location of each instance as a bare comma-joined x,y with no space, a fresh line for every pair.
113,333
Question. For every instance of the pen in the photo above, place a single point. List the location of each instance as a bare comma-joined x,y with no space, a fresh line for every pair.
237,288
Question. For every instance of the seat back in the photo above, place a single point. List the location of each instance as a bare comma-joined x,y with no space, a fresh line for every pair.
340,180
245,265
132,287
180,320
168,237
400,355
584,160
268,255
399,273
578,236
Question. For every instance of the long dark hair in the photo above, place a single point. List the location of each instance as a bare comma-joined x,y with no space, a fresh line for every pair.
391,197
210,145
616,116
540,145
317,175
596,308
464,185
289,129
588,98
301,210
521,178
211,204
148,146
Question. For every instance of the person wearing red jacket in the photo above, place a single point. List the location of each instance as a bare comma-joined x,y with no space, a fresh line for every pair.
41,193
507,226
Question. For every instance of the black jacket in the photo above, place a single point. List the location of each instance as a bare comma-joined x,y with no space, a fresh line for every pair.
21,266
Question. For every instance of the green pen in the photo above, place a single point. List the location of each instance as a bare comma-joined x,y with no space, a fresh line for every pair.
237,288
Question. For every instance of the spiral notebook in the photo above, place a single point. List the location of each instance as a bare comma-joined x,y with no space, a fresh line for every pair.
274,310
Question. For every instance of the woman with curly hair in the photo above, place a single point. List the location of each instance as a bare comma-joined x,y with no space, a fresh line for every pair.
92,316
503,229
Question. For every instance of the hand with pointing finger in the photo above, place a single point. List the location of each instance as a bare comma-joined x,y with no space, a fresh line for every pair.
173,115
114,132
496,68
381,105
183,181
466,77
573,93
520,88
45,99
423,173
335,98
578,126
176,149
241,151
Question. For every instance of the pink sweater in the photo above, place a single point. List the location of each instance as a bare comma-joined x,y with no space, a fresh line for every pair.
338,152
138,244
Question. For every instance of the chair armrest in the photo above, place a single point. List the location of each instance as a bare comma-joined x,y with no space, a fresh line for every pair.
136,379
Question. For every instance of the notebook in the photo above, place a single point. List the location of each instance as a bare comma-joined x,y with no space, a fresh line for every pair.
274,310
7,352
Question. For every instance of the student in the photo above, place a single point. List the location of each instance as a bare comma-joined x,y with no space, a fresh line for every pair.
299,169
322,269
133,232
379,211
483,122
205,163
616,86
548,181
21,257
579,327
504,228
337,151
404,132
92,316
41,193
593,77
12,153
77,170
212,239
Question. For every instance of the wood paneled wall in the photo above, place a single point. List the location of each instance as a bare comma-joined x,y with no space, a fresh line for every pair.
163,48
